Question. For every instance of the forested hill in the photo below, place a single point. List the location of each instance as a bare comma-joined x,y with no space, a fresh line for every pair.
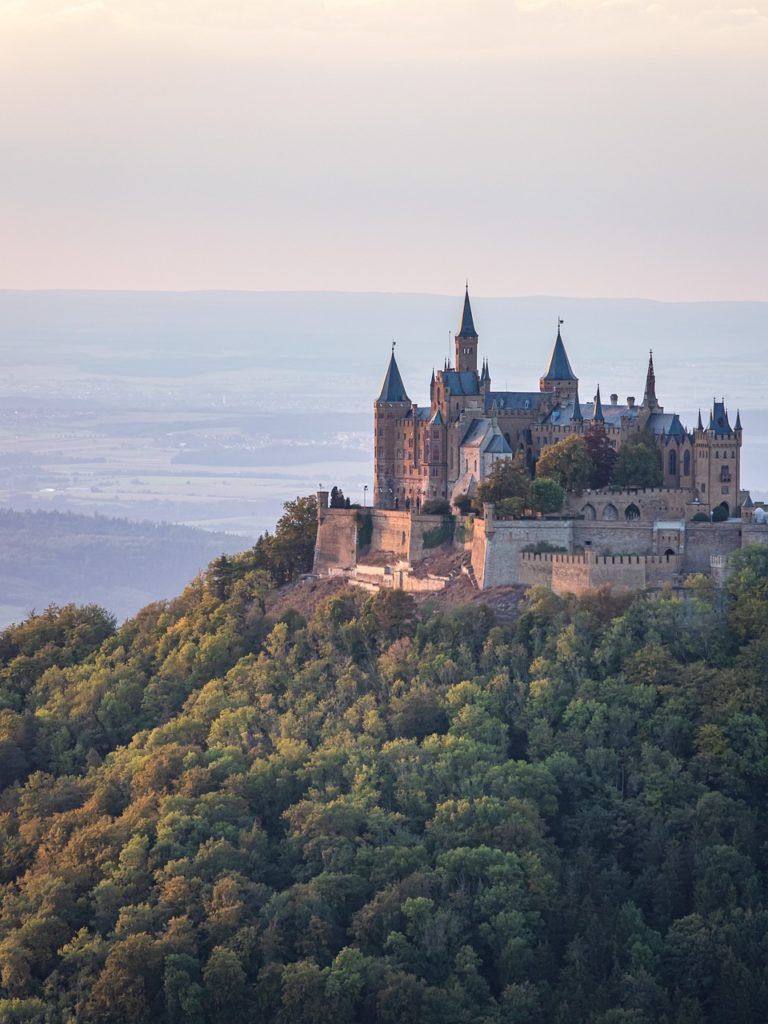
225,812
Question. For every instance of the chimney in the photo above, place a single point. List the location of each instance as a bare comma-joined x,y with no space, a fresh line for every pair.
614,399
631,401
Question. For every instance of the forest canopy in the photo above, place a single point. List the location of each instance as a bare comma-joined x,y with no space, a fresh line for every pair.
226,811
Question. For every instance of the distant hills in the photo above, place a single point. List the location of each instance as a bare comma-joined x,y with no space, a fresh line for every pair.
55,558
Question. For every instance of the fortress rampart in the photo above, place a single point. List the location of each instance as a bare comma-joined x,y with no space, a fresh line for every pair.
575,574
566,554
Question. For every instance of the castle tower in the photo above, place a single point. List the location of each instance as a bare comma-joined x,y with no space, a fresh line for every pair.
466,340
559,378
717,460
391,410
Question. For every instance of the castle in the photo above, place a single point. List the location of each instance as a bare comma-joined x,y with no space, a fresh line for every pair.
633,538
445,450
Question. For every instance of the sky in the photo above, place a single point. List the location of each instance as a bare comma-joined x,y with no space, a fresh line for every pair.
578,147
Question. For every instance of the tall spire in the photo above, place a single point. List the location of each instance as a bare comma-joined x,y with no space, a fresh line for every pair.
738,420
700,425
393,389
559,367
578,415
597,412
649,398
467,325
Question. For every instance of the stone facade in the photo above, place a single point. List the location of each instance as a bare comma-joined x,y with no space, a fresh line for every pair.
568,554
447,448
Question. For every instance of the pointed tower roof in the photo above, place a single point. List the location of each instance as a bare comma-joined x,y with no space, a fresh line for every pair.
559,367
718,418
649,398
467,325
432,382
738,420
699,425
597,412
578,415
393,389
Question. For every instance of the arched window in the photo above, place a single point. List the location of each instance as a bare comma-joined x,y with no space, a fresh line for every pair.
686,463
631,512
611,513
673,462
589,512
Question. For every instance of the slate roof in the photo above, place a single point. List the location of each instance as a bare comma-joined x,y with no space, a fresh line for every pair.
393,389
666,423
467,325
514,400
464,383
498,445
559,368
718,419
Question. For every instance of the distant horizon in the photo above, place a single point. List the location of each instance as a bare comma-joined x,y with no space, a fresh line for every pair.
536,296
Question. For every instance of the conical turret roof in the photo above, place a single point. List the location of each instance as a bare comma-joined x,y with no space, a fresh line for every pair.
467,325
559,367
393,389
597,412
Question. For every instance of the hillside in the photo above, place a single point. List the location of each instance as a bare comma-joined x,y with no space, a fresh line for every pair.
57,558
228,811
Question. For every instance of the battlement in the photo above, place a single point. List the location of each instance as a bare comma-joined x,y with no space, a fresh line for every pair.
588,558
574,574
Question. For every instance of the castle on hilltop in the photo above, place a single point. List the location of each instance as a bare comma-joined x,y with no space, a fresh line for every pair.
629,537
446,449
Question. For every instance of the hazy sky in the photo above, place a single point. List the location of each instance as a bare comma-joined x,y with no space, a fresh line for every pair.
614,148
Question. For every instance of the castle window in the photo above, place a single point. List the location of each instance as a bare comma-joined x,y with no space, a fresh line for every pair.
717,455
725,474
686,463
673,462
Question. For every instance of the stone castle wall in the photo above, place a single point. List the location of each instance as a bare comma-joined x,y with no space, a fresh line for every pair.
652,503
625,554
575,574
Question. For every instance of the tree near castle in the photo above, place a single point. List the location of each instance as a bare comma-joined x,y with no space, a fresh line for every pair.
508,478
638,463
567,462
601,454
546,495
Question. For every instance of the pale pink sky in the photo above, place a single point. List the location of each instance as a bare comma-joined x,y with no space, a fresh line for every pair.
581,148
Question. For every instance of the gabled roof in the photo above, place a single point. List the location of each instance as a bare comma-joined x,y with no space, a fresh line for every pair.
393,389
464,383
503,400
498,445
667,423
437,420
467,325
559,368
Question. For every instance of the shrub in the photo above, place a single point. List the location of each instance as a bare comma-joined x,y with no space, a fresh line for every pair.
436,507
700,517
509,508
719,514
463,503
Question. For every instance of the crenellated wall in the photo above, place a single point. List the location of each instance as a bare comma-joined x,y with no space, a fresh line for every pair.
637,554
574,574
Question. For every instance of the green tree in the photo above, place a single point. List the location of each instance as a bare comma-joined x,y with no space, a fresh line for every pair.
638,463
546,495
508,478
566,462
602,455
